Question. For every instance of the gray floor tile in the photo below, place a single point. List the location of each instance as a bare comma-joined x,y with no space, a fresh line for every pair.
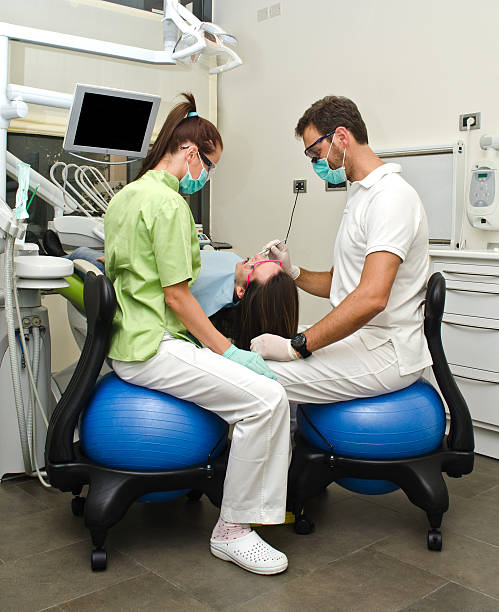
179,552
342,527
147,592
472,484
463,560
363,581
15,502
477,518
454,597
487,465
50,497
491,496
47,579
36,533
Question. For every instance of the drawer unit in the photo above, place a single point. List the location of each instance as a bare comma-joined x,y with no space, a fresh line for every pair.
470,335
471,341
480,389
471,290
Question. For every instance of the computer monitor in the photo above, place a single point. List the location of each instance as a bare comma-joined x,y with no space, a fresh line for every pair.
110,121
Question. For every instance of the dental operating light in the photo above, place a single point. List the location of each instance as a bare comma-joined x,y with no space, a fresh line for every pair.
197,38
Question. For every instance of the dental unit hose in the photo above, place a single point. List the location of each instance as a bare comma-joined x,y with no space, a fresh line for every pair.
36,371
14,364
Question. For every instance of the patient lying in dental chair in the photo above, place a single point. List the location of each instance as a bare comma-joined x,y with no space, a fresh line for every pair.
266,297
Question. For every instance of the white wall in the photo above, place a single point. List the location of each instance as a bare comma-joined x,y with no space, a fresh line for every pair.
411,67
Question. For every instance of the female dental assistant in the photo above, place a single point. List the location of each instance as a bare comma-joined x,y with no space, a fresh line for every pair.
152,257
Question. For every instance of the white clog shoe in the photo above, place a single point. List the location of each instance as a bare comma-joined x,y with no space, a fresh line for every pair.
251,553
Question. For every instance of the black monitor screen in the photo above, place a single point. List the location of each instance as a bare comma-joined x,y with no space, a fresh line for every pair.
112,122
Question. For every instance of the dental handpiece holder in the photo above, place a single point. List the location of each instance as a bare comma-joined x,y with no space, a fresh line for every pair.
483,199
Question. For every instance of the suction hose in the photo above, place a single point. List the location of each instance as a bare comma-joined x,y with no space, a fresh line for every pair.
14,364
31,415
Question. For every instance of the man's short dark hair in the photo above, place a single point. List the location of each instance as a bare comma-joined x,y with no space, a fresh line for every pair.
332,112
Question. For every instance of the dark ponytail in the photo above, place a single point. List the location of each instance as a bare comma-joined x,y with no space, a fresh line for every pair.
177,129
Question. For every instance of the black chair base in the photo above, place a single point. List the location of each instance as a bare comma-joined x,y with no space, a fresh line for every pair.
112,491
313,470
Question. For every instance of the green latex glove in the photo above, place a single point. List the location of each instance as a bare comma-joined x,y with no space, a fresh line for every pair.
250,360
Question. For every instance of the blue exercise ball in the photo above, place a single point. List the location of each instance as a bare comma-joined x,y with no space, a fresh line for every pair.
131,427
405,423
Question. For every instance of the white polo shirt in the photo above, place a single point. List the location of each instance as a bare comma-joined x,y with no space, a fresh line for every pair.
384,213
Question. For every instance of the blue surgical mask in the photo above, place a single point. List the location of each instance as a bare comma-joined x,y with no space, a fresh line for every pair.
323,171
189,185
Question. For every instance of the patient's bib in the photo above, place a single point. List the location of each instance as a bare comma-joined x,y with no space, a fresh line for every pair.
214,286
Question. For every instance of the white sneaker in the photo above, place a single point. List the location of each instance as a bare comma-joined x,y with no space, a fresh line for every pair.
251,553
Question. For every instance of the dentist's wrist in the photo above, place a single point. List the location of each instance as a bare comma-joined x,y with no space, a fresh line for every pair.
294,272
293,355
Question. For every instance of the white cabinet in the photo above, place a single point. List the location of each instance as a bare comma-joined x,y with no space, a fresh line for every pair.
470,335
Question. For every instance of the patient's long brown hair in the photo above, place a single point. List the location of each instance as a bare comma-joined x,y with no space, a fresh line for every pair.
268,308
179,128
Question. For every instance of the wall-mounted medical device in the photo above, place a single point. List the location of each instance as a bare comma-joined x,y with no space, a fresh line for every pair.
483,200
111,121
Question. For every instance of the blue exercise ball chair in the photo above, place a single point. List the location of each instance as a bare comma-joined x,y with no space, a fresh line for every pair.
405,423
395,440
126,425
131,427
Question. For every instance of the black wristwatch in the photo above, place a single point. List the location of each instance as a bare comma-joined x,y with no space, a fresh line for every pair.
299,343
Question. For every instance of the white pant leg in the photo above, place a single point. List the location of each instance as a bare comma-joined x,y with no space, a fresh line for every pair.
341,371
256,479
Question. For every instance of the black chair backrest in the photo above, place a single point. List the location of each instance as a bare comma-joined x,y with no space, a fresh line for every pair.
461,427
100,303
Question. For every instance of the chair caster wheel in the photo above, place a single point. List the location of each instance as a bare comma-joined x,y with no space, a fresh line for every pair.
99,560
303,525
194,495
434,540
78,505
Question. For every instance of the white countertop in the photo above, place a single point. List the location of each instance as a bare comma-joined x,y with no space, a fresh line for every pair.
464,254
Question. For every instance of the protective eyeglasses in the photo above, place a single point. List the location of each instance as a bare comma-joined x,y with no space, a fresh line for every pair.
262,261
210,166
312,154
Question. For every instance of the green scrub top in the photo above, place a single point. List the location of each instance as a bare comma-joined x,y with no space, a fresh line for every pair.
151,243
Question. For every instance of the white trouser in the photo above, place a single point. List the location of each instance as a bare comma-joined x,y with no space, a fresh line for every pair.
256,479
341,371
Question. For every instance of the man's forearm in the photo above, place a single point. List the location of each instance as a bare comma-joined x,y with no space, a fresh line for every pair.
354,312
315,283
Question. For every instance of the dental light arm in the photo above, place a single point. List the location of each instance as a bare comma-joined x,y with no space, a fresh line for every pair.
198,37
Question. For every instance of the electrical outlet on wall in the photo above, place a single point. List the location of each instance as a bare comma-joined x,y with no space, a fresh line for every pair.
476,120
299,186
275,10
262,14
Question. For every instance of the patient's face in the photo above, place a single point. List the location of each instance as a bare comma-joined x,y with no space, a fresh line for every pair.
260,273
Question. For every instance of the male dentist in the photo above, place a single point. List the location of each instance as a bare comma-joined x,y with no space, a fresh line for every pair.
372,341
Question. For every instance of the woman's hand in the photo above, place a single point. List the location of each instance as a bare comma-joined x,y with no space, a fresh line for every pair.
249,360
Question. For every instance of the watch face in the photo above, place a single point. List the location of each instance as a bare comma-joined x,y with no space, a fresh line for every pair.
298,341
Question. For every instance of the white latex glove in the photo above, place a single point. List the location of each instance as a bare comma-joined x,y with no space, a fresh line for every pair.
274,347
278,250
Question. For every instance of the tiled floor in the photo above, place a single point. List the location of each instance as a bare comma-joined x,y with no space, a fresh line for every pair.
367,554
